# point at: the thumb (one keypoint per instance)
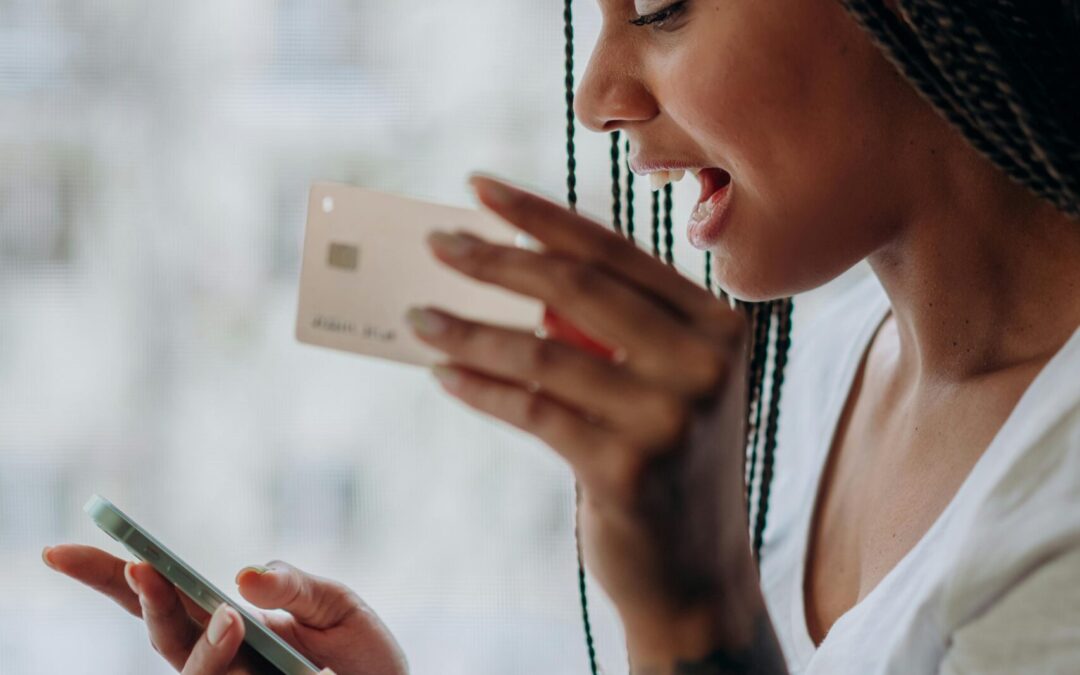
(315, 602)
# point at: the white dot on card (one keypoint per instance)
(327, 204)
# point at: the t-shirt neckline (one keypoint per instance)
(802, 640)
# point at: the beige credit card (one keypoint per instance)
(366, 262)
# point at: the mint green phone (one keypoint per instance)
(278, 655)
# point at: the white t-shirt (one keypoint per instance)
(994, 584)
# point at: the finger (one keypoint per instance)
(600, 304)
(216, 648)
(566, 232)
(95, 568)
(575, 438)
(613, 396)
(172, 632)
(199, 615)
(313, 601)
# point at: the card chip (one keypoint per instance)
(343, 256)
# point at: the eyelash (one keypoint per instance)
(658, 19)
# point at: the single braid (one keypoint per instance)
(708, 271)
(571, 198)
(656, 223)
(669, 238)
(629, 197)
(616, 183)
(568, 82)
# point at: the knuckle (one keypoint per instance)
(610, 248)
(543, 355)
(484, 262)
(573, 278)
(465, 332)
(535, 412)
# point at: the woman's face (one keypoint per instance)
(820, 136)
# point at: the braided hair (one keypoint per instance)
(1005, 73)
(770, 325)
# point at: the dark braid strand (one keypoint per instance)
(708, 271)
(571, 198)
(629, 196)
(656, 223)
(783, 311)
(568, 81)
(616, 183)
(669, 239)
(761, 324)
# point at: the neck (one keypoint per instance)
(982, 276)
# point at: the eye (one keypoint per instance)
(660, 19)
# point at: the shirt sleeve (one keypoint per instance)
(1034, 628)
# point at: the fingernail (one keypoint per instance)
(130, 576)
(45, 557)
(493, 191)
(219, 624)
(257, 569)
(450, 377)
(426, 322)
(452, 245)
(326, 671)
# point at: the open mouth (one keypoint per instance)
(710, 214)
(712, 181)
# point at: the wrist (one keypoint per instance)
(726, 619)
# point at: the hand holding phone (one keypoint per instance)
(326, 621)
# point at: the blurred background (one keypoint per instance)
(155, 159)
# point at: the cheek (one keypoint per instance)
(787, 110)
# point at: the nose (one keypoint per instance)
(611, 96)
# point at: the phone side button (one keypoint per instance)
(183, 579)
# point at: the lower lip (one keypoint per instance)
(705, 233)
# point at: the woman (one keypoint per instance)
(926, 510)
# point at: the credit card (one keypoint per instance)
(366, 262)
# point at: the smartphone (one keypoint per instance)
(272, 654)
(365, 263)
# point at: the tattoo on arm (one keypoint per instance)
(761, 657)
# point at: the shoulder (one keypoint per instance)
(1033, 627)
(1021, 536)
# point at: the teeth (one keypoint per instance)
(658, 179)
